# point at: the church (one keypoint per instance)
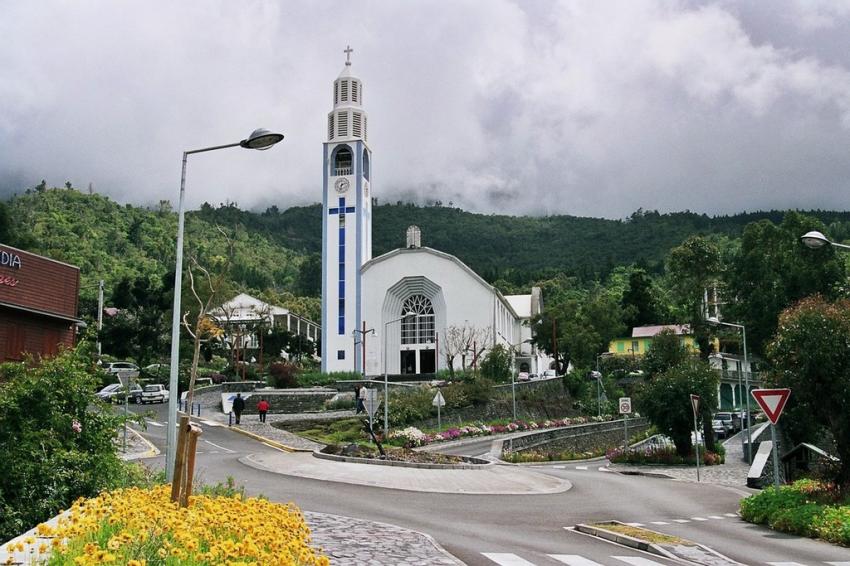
(414, 310)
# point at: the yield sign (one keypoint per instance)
(439, 400)
(771, 401)
(695, 404)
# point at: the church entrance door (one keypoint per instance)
(427, 361)
(408, 361)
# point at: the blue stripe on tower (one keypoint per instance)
(360, 205)
(325, 257)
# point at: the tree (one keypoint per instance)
(811, 356)
(693, 268)
(466, 341)
(640, 304)
(773, 269)
(140, 328)
(666, 400)
(667, 351)
(497, 364)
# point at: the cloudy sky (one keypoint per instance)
(520, 107)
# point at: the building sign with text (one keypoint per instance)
(38, 283)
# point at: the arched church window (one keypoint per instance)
(342, 161)
(366, 164)
(417, 329)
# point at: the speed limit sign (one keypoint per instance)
(625, 405)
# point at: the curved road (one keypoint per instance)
(524, 530)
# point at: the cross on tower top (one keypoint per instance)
(348, 51)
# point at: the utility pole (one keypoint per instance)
(99, 310)
(555, 343)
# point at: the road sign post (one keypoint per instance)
(772, 402)
(371, 404)
(625, 408)
(695, 407)
(438, 402)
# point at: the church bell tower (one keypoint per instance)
(346, 222)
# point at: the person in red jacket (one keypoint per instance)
(263, 408)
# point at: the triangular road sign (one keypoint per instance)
(695, 403)
(439, 400)
(771, 401)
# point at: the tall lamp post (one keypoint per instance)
(259, 139)
(386, 381)
(598, 377)
(815, 240)
(513, 348)
(717, 321)
(362, 334)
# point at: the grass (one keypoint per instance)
(642, 534)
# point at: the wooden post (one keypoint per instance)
(180, 457)
(192, 445)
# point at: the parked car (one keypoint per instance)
(723, 425)
(114, 393)
(154, 394)
(549, 374)
(116, 367)
(533, 376)
(523, 376)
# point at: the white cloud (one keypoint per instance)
(510, 106)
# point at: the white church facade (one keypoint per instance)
(415, 299)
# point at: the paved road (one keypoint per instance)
(522, 530)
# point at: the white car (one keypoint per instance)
(549, 374)
(119, 367)
(154, 394)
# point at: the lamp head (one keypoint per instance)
(261, 139)
(713, 320)
(815, 240)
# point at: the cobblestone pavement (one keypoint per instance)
(352, 542)
(733, 473)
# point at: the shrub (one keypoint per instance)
(55, 437)
(317, 378)
(283, 375)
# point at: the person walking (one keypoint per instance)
(263, 408)
(362, 395)
(358, 401)
(238, 407)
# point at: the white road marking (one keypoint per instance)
(785, 564)
(220, 447)
(506, 559)
(154, 423)
(681, 521)
(637, 561)
(731, 514)
(211, 423)
(634, 524)
(715, 517)
(581, 467)
(559, 467)
(604, 469)
(574, 560)
(838, 563)
(699, 519)
(658, 523)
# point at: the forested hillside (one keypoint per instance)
(278, 251)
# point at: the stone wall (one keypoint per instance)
(591, 437)
(290, 400)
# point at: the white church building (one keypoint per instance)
(427, 306)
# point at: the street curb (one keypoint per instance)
(640, 473)
(268, 441)
(467, 465)
(625, 540)
(152, 451)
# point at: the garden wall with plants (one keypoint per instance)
(592, 437)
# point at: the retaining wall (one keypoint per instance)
(590, 437)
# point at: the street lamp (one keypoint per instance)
(717, 321)
(598, 377)
(513, 369)
(386, 381)
(259, 139)
(815, 240)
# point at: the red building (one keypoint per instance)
(38, 304)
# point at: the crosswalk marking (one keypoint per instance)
(658, 523)
(637, 561)
(506, 559)
(681, 521)
(581, 467)
(699, 519)
(714, 517)
(559, 467)
(574, 560)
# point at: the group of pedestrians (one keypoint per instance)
(239, 406)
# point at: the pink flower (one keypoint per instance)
(76, 426)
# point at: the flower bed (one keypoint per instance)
(662, 455)
(411, 436)
(141, 527)
(807, 507)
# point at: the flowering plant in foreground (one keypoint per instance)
(141, 527)
(411, 436)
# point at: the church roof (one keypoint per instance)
(521, 304)
(424, 249)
